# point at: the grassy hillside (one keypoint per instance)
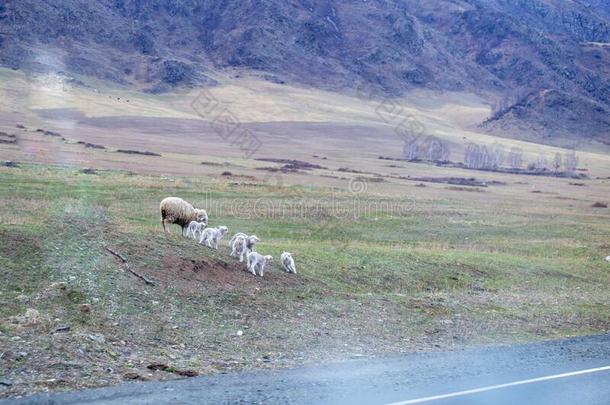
(396, 269)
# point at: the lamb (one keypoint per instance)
(251, 241)
(242, 246)
(175, 210)
(237, 235)
(288, 263)
(257, 261)
(212, 236)
(195, 229)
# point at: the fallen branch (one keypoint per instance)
(129, 269)
(117, 254)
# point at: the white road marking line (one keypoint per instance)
(495, 387)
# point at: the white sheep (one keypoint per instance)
(237, 235)
(257, 261)
(212, 236)
(608, 259)
(242, 246)
(175, 210)
(195, 229)
(288, 263)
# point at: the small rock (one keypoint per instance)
(31, 317)
(158, 366)
(97, 337)
(84, 308)
(59, 286)
(239, 333)
(187, 373)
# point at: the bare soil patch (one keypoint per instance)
(458, 181)
(90, 145)
(8, 138)
(216, 274)
(137, 152)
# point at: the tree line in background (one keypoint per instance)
(483, 157)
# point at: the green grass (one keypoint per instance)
(444, 271)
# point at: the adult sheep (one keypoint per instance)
(175, 210)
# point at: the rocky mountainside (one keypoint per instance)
(544, 64)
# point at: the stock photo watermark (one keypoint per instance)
(225, 123)
(303, 208)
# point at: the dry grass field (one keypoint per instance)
(387, 262)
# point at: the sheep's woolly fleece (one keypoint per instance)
(175, 210)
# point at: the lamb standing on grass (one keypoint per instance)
(242, 246)
(237, 235)
(256, 260)
(288, 263)
(195, 229)
(175, 210)
(212, 236)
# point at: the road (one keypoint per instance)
(569, 371)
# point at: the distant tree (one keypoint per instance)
(427, 148)
(570, 162)
(485, 157)
(411, 150)
(541, 162)
(437, 150)
(472, 156)
(496, 156)
(509, 99)
(557, 162)
(515, 157)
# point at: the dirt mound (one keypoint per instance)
(137, 152)
(217, 274)
(289, 165)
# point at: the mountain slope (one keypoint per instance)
(512, 52)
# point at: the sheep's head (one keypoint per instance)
(253, 239)
(223, 230)
(202, 216)
(269, 258)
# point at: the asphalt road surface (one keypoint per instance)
(569, 371)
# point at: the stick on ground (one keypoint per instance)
(129, 269)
